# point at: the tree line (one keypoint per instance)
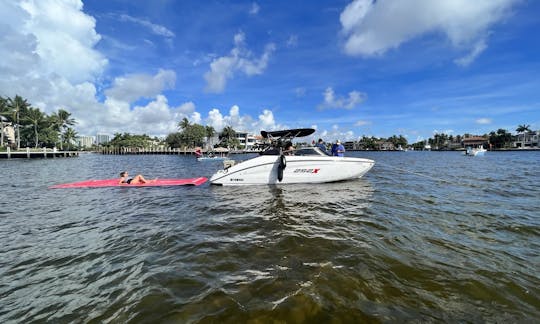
(34, 128)
(189, 135)
(193, 135)
(499, 139)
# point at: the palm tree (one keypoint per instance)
(4, 111)
(210, 132)
(63, 120)
(17, 106)
(229, 135)
(69, 136)
(184, 124)
(523, 129)
(35, 117)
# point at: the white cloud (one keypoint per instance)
(64, 39)
(238, 122)
(240, 59)
(483, 121)
(254, 9)
(332, 101)
(154, 28)
(215, 119)
(132, 87)
(362, 123)
(469, 58)
(155, 118)
(300, 92)
(373, 27)
(266, 121)
(292, 41)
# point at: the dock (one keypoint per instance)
(37, 154)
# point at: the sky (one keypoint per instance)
(346, 68)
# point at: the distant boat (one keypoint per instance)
(475, 151)
(219, 154)
(211, 158)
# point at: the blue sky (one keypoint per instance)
(346, 68)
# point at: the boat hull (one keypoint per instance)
(265, 169)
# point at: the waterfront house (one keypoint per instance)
(474, 141)
(527, 140)
(8, 132)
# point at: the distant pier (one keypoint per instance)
(166, 151)
(36, 154)
(145, 151)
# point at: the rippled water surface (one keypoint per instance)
(423, 237)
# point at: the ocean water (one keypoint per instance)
(423, 237)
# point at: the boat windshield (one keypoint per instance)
(304, 151)
(309, 151)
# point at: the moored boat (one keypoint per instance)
(304, 165)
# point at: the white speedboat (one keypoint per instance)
(304, 165)
(476, 151)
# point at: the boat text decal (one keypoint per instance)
(306, 171)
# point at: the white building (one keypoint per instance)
(85, 141)
(102, 139)
(248, 141)
(8, 131)
(528, 140)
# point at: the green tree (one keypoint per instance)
(61, 121)
(174, 140)
(69, 136)
(18, 107)
(183, 124)
(523, 128)
(4, 113)
(35, 117)
(210, 132)
(228, 137)
(128, 140)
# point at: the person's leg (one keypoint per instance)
(139, 179)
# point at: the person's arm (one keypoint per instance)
(122, 179)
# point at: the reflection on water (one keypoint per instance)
(428, 237)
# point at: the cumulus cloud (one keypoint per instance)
(266, 121)
(49, 57)
(132, 87)
(157, 117)
(373, 27)
(64, 39)
(240, 59)
(331, 101)
(234, 119)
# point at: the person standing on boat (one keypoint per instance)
(338, 149)
(289, 149)
(322, 146)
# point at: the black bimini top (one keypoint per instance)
(298, 132)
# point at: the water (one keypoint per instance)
(423, 237)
